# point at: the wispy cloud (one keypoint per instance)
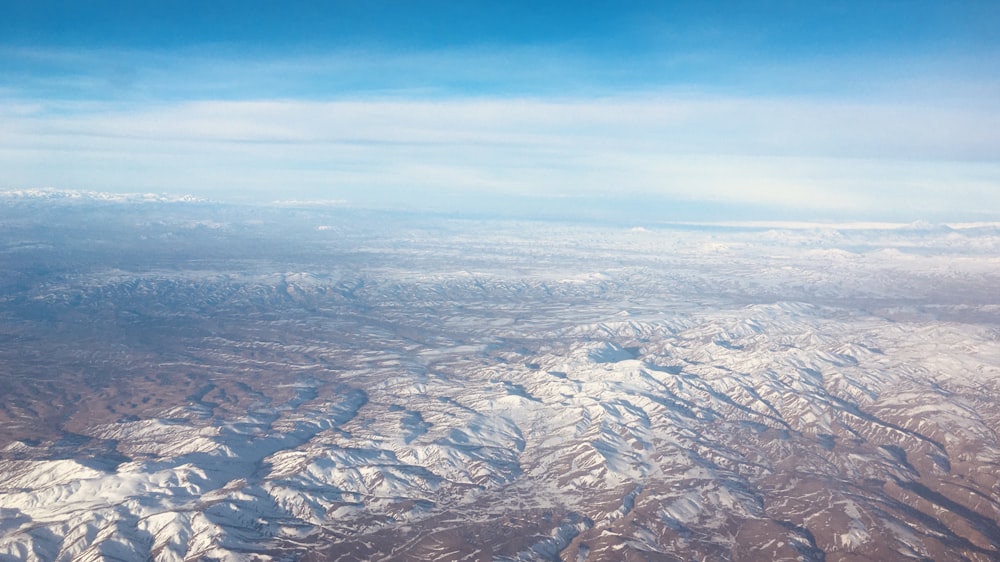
(439, 128)
(789, 153)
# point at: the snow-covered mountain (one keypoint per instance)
(240, 383)
(87, 196)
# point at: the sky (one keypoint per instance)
(675, 110)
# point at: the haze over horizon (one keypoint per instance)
(722, 111)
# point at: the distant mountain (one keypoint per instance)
(52, 194)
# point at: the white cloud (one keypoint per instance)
(793, 153)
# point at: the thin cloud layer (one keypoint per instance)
(765, 151)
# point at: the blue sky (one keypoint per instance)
(680, 110)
